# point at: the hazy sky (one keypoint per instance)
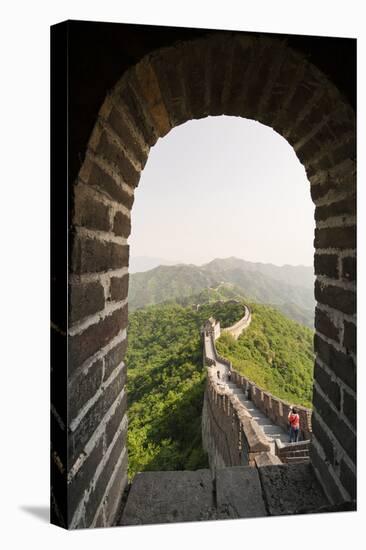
(223, 186)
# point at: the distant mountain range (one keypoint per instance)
(145, 263)
(289, 288)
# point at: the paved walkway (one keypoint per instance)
(271, 430)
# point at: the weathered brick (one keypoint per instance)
(116, 491)
(350, 336)
(348, 480)
(83, 387)
(217, 74)
(82, 480)
(101, 180)
(349, 269)
(84, 345)
(115, 421)
(167, 69)
(325, 162)
(92, 255)
(329, 387)
(97, 494)
(324, 325)
(335, 237)
(147, 87)
(345, 206)
(286, 75)
(309, 150)
(323, 438)
(337, 426)
(130, 101)
(319, 191)
(85, 299)
(336, 297)
(347, 150)
(93, 418)
(326, 264)
(107, 148)
(118, 123)
(254, 88)
(114, 357)
(324, 470)
(119, 288)
(121, 225)
(90, 212)
(194, 69)
(350, 407)
(342, 365)
(303, 93)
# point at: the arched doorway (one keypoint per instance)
(257, 78)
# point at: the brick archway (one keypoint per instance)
(252, 77)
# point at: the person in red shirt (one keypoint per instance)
(294, 420)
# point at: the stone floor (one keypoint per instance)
(236, 492)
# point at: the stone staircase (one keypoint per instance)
(293, 453)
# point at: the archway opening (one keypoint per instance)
(222, 213)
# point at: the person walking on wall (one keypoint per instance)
(218, 374)
(294, 420)
(229, 375)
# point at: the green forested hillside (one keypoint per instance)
(166, 378)
(166, 385)
(289, 288)
(275, 353)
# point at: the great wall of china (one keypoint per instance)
(254, 471)
(242, 423)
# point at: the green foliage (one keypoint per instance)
(166, 378)
(275, 353)
(166, 385)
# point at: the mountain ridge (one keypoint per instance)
(264, 283)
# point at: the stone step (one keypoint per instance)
(295, 453)
(296, 460)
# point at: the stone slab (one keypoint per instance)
(239, 493)
(166, 497)
(266, 459)
(291, 489)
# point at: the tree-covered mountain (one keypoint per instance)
(166, 377)
(165, 385)
(289, 288)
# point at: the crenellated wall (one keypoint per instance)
(237, 328)
(276, 409)
(229, 435)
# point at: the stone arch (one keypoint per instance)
(225, 73)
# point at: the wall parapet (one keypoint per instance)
(276, 409)
(230, 435)
(237, 328)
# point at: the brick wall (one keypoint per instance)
(226, 73)
(229, 435)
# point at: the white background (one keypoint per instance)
(24, 218)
